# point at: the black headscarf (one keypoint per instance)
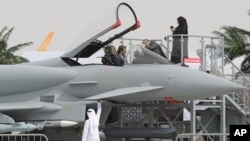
(182, 28)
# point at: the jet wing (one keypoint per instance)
(30, 105)
(124, 94)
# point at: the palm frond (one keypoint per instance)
(7, 35)
(245, 65)
(19, 46)
(235, 39)
(3, 45)
(20, 59)
(4, 60)
(6, 54)
(243, 32)
(2, 31)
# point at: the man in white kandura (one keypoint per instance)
(91, 126)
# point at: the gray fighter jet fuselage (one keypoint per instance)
(113, 83)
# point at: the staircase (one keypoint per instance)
(238, 100)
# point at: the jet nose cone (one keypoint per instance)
(199, 85)
(216, 85)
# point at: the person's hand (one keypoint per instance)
(172, 28)
(165, 38)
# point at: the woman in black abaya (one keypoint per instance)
(182, 28)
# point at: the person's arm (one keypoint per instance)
(172, 28)
(99, 110)
(177, 30)
(85, 131)
(180, 30)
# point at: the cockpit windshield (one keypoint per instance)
(140, 55)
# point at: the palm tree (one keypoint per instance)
(7, 54)
(236, 44)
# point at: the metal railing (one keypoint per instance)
(201, 136)
(211, 40)
(23, 137)
(240, 97)
(238, 100)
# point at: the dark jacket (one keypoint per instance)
(119, 61)
(153, 46)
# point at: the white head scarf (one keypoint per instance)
(93, 120)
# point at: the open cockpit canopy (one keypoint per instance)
(101, 32)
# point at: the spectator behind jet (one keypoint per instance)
(207, 61)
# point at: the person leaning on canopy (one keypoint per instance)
(153, 46)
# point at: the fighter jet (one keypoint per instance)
(57, 91)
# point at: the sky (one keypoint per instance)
(33, 19)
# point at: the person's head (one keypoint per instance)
(91, 113)
(199, 53)
(93, 119)
(122, 50)
(146, 42)
(181, 21)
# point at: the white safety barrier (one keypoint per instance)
(202, 137)
(23, 137)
